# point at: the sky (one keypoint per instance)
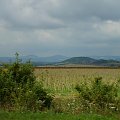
(60, 27)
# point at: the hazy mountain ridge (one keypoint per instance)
(33, 58)
(106, 57)
(63, 60)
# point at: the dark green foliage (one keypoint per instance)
(99, 96)
(19, 89)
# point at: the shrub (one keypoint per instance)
(19, 89)
(99, 96)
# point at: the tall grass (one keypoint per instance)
(63, 81)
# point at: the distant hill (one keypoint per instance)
(58, 60)
(35, 59)
(79, 60)
(107, 57)
(55, 58)
(90, 61)
(6, 59)
(50, 59)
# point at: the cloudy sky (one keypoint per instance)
(64, 27)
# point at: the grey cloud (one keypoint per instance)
(68, 27)
(84, 9)
(43, 14)
(28, 14)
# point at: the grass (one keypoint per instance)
(51, 116)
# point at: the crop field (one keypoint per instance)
(63, 81)
(59, 84)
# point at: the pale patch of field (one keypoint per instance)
(63, 81)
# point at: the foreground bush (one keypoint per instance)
(99, 97)
(19, 89)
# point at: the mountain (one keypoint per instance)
(63, 60)
(107, 57)
(103, 62)
(79, 60)
(90, 61)
(6, 59)
(33, 58)
(50, 59)
(55, 58)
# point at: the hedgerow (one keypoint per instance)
(99, 96)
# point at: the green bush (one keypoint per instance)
(99, 97)
(19, 89)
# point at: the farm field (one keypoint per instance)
(66, 103)
(62, 82)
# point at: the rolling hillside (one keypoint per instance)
(90, 61)
(59, 60)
